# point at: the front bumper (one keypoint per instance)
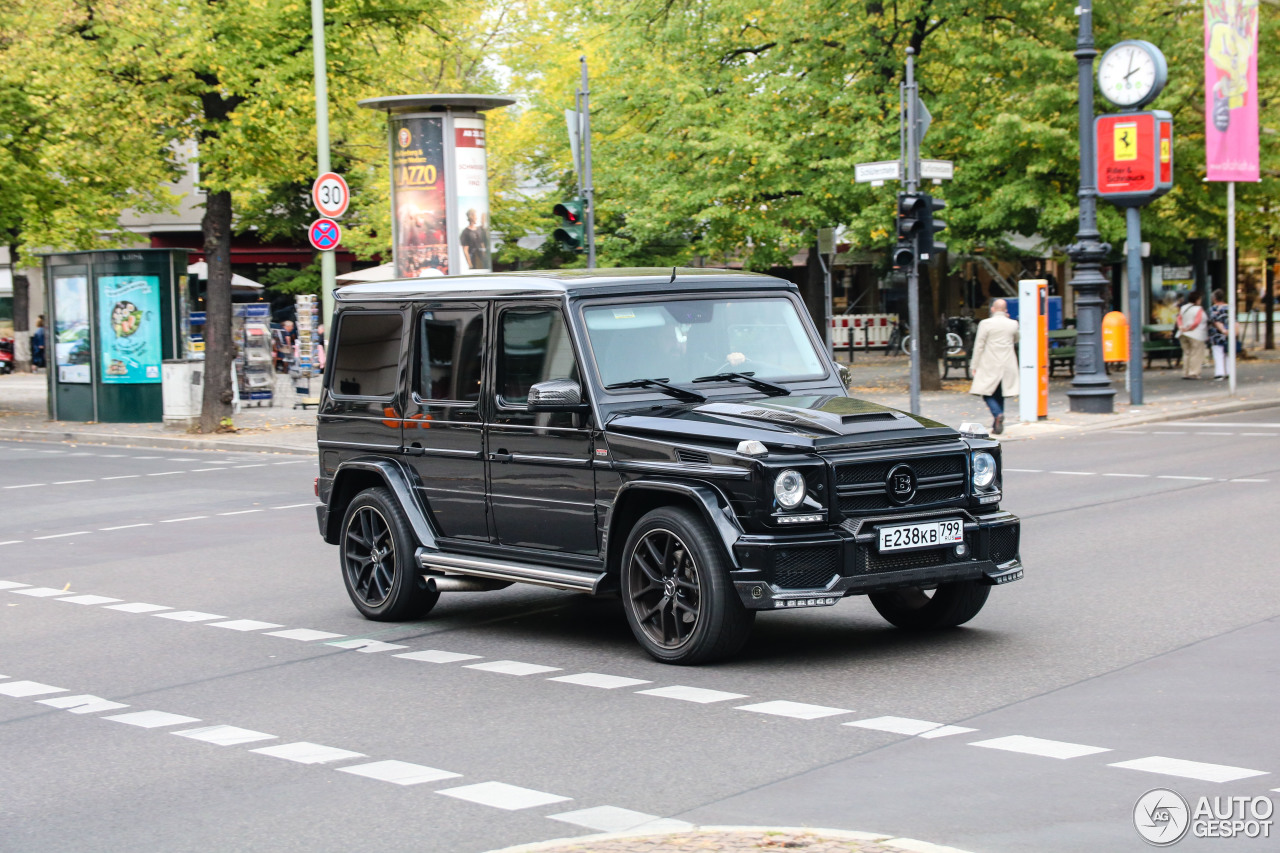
(776, 572)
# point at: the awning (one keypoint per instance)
(200, 269)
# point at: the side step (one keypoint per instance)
(509, 571)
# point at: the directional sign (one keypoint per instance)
(881, 170)
(937, 170)
(324, 234)
(330, 195)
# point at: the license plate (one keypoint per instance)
(927, 534)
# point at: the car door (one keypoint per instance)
(541, 483)
(443, 430)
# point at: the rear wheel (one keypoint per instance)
(377, 554)
(917, 609)
(676, 591)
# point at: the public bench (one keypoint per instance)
(1159, 342)
(1062, 350)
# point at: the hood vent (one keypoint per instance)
(693, 456)
(869, 417)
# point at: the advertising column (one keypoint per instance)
(419, 218)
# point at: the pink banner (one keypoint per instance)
(1231, 89)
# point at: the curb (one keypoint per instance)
(908, 845)
(156, 441)
(1147, 418)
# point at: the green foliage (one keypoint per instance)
(284, 281)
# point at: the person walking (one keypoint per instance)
(1193, 331)
(1218, 320)
(995, 362)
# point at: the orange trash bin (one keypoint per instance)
(1115, 337)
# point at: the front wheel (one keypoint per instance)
(377, 554)
(676, 591)
(917, 609)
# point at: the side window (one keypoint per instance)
(366, 355)
(449, 355)
(535, 347)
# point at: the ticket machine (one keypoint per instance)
(1033, 349)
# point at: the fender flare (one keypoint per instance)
(395, 479)
(711, 503)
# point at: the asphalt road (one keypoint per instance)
(1146, 634)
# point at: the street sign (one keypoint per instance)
(826, 241)
(330, 195)
(937, 170)
(881, 170)
(324, 234)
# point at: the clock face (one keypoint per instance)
(1128, 74)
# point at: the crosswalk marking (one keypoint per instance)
(1189, 769)
(1040, 746)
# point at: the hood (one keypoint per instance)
(803, 421)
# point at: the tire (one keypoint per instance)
(914, 609)
(676, 591)
(906, 345)
(376, 550)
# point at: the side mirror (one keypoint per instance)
(556, 395)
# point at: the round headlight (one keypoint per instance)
(789, 489)
(984, 469)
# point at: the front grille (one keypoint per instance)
(867, 473)
(874, 561)
(1004, 543)
(804, 568)
(861, 484)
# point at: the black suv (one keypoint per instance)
(679, 438)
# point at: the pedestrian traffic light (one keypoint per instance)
(926, 246)
(904, 254)
(572, 233)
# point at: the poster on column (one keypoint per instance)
(1231, 90)
(471, 180)
(129, 328)
(419, 220)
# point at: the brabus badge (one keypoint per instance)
(901, 484)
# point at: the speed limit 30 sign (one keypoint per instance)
(330, 195)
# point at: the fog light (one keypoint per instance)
(962, 550)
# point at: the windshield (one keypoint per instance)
(681, 340)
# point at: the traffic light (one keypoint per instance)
(572, 233)
(926, 246)
(904, 254)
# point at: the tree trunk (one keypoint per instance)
(219, 348)
(21, 319)
(930, 376)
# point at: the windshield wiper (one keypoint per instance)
(768, 388)
(663, 386)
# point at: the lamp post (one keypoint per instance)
(1091, 391)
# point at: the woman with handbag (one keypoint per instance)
(1193, 331)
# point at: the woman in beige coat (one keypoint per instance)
(995, 362)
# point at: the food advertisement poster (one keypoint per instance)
(129, 328)
(71, 328)
(471, 183)
(419, 221)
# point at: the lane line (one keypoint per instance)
(1138, 476)
(1024, 470)
(60, 535)
(615, 819)
(70, 482)
(122, 477)
(41, 591)
(151, 719)
(1075, 473)
(137, 607)
(909, 726)
(1040, 746)
(12, 584)
(1179, 477)
(399, 772)
(795, 710)
(240, 512)
(225, 735)
(1189, 769)
(127, 526)
(27, 486)
(88, 599)
(244, 625)
(83, 704)
(500, 795)
(189, 616)
(366, 646)
(188, 518)
(11, 542)
(294, 506)
(437, 656)
(304, 634)
(23, 689)
(1247, 480)
(304, 752)
(604, 682)
(692, 694)
(165, 473)
(512, 667)
(254, 465)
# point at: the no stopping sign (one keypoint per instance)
(330, 195)
(324, 234)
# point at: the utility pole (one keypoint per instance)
(588, 188)
(328, 267)
(911, 171)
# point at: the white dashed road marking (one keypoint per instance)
(189, 616)
(12, 585)
(908, 726)
(225, 735)
(40, 591)
(152, 719)
(692, 694)
(88, 599)
(399, 772)
(366, 646)
(244, 625)
(500, 795)
(27, 486)
(437, 656)
(1075, 473)
(70, 482)
(595, 679)
(308, 753)
(240, 512)
(188, 518)
(61, 535)
(138, 607)
(614, 819)
(796, 710)
(512, 667)
(22, 689)
(1040, 746)
(126, 526)
(1189, 769)
(304, 634)
(84, 704)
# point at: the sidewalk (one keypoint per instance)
(882, 379)
(733, 839)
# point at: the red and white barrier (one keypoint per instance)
(862, 331)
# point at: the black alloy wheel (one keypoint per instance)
(676, 591)
(919, 609)
(377, 555)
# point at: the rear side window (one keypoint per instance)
(366, 355)
(449, 351)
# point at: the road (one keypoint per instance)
(183, 671)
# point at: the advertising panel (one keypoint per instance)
(471, 186)
(129, 329)
(1231, 90)
(1126, 153)
(419, 218)
(71, 348)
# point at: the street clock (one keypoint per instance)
(1132, 73)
